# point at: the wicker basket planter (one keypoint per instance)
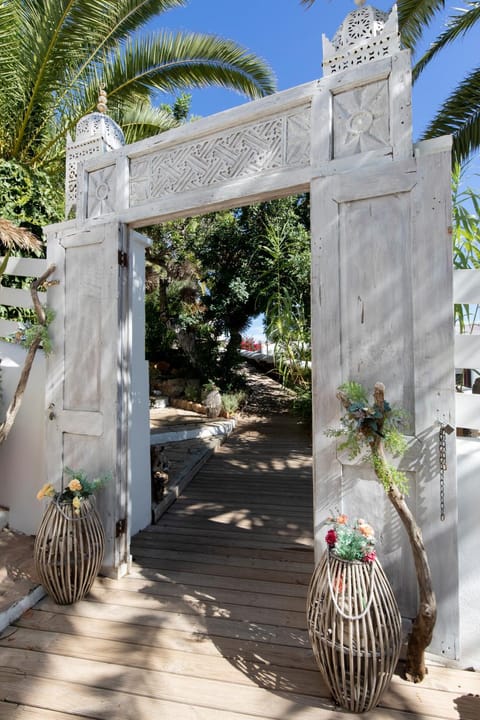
(355, 629)
(68, 550)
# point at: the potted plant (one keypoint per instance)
(70, 542)
(354, 622)
(374, 428)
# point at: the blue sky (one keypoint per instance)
(289, 37)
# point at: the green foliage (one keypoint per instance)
(302, 403)
(89, 486)
(389, 475)
(466, 241)
(32, 331)
(364, 425)
(232, 401)
(29, 196)
(286, 289)
(458, 115)
(207, 276)
(355, 392)
(192, 391)
(54, 56)
(351, 542)
(75, 491)
(349, 546)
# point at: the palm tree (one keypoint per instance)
(55, 54)
(459, 115)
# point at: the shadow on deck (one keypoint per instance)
(210, 624)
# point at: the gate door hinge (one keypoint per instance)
(122, 258)
(120, 527)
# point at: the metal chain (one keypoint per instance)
(442, 453)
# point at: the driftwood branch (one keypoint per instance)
(424, 623)
(15, 404)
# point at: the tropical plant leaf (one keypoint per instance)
(460, 116)
(458, 26)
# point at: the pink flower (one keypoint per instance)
(370, 556)
(331, 538)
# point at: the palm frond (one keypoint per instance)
(84, 31)
(141, 120)
(414, 16)
(460, 116)
(13, 237)
(458, 26)
(172, 61)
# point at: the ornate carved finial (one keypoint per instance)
(102, 100)
(366, 34)
(95, 133)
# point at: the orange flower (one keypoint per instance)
(74, 484)
(366, 529)
(342, 520)
(46, 491)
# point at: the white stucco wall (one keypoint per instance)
(22, 456)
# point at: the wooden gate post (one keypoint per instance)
(381, 300)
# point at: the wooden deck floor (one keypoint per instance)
(210, 624)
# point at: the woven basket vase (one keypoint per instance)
(355, 630)
(68, 550)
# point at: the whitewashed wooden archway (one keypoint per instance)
(381, 286)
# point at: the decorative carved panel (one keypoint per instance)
(75, 154)
(361, 120)
(278, 142)
(101, 195)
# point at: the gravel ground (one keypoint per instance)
(266, 396)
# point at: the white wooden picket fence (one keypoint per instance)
(467, 356)
(12, 297)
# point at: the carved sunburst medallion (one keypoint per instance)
(361, 120)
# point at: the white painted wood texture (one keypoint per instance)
(8, 327)
(18, 298)
(466, 286)
(138, 417)
(467, 351)
(433, 342)
(82, 393)
(468, 411)
(25, 267)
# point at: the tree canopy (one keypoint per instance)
(55, 54)
(207, 276)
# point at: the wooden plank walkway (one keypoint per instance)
(210, 624)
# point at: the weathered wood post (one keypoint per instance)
(381, 295)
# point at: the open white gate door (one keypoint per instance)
(85, 396)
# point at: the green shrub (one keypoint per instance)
(232, 401)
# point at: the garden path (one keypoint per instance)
(210, 623)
